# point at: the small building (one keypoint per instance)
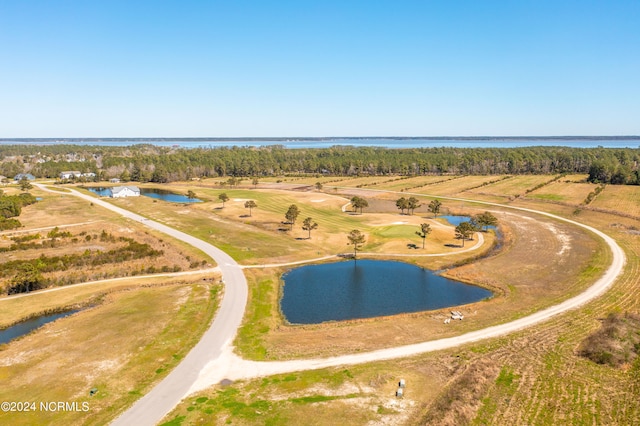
(70, 174)
(125, 191)
(21, 176)
(114, 180)
(89, 175)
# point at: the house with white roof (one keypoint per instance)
(125, 191)
(70, 174)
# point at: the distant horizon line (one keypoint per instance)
(318, 138)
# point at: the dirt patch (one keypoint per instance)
(616, 343)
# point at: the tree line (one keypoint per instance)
(163, 164)
(11, 207)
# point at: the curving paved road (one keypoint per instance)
(212, 359)
(151, 408)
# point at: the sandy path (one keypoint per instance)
(230, 366)
(110, 280)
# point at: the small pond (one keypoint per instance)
(455, 220)
(164, 195)
(368, 288)
(160, 194)
(26, 327)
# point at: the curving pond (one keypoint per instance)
(368, 288)
(27, 326)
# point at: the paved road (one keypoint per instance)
(151, 408)
(212, 359)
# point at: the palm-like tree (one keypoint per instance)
(402, 203)
(434, 207)
(464, 231)
(485, 220)
(359, 203)
(356, 238)
(250, 205)
(412, 204)
(425, 229)
(309, 225)
(224, 198)
(292, 214)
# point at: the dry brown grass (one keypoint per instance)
(522, 286)
(121, 347)
(513, 187)
(87, 237)
(620, 198)
(564, 191)
(544, 382)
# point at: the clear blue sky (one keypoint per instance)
(319, 68)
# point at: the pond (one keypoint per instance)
(368, 288)
(455, 220)
(164, 195)
(160, 194)
(26, 327)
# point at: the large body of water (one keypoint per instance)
(368, 288)
(293, 143)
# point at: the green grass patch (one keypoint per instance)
(397, 231)
(258, 317)
(177, 421)
(548, 197)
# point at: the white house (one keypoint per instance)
(20, 176)
(125, 191)
(70, 175)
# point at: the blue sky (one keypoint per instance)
(318, 68)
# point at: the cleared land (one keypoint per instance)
(456, 186)
(63, 360)
(513, 187)
(71, 241)
(511, 380)
(564, 192)
(619, 198)
(505, 381)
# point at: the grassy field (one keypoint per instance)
(63, 360)
(532, 377)
(454, 187)
(89, 230)
(619, 198)
(513, 187)
(264, 237)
